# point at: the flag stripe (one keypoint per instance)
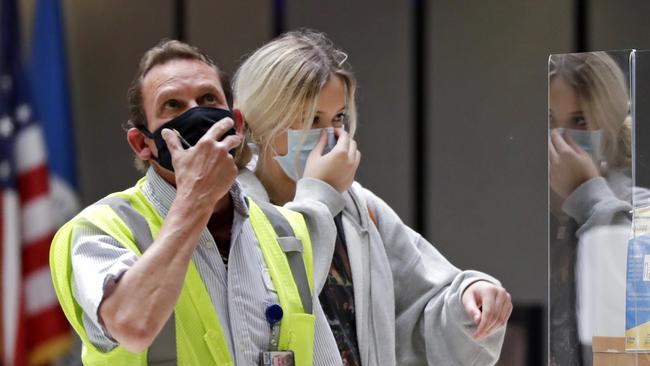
(43, 353)
(33, 183)
(36, 255)
(45, 325)
(37, 221)
(11, 272)
(34, 327)
(39, 291)
(30, 149)
(20, 348)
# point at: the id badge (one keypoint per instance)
(276, 358)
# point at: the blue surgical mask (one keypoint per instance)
(589, 141)
(300, 144)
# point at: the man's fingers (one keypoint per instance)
(219, 129)
(231, 141)
(172, 141)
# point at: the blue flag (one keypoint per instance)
(34, 329)
(49, 81)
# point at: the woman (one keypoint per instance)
(591, 193)
(390, 297)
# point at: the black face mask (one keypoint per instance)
(192, 125)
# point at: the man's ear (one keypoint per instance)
(138, 143)
(239, 121)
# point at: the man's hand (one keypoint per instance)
(488, 305)
(204, 172)
(339, 166)
(569, 165)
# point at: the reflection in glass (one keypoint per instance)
(590, 198)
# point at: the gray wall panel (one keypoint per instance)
(227, 30)
(105, 41)
(487, 133)
(376, 36)
(616, 25)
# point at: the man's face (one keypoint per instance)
(176, 86)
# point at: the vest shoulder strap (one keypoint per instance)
(293, 249)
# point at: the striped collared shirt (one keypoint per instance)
(239, 295)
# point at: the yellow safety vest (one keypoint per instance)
(198, 334)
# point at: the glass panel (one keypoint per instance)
(590, 201)
(637, 326)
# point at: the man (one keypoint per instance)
(214, 264)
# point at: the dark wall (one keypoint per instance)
(487, 118)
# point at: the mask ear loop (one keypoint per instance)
(183, 141)
(145, 132)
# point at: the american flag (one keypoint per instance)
(33, 327)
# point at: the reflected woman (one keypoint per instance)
(590, 182)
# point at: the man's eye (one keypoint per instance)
(172, 103)
(209, 98)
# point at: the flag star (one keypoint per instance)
(5, 83)
(23, 112)
(6, 127)
(5, 170)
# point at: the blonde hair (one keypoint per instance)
(604, 98)
(281, 81)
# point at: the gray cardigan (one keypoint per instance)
(407, 295)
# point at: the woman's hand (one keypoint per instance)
(488, 305)
(569, 165)
(339, 166)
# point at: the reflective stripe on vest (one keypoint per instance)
(296, 326)
(292, 248)
(130, 219)
(162, 351)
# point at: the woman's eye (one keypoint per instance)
(340, 119)
(579, 122)
(315, 122)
